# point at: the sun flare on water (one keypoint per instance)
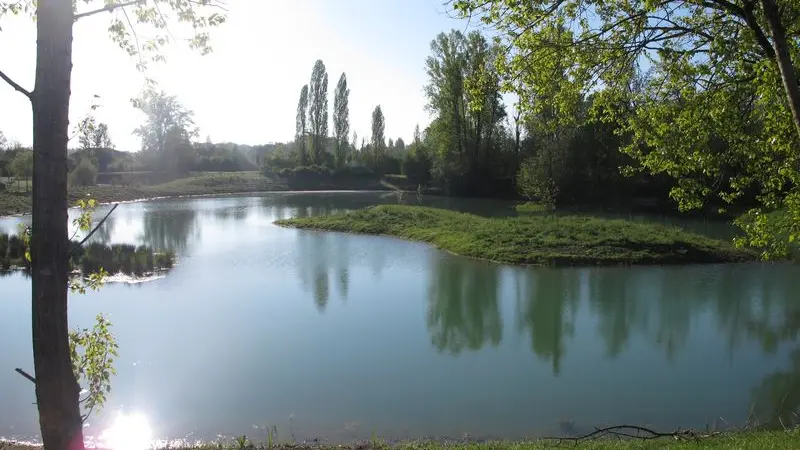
(127, 432)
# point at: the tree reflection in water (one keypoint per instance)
(463, 304)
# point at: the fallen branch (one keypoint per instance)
(631, 432)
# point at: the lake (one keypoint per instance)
(339, 337)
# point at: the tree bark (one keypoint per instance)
(56, 387)
(784, 59)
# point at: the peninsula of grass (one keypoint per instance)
(535, 239)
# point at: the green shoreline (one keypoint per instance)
(199, 184)
(733, 440)
(532, 240)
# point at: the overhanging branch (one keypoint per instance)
(107, 8)
(16, 86)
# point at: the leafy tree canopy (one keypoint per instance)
(705, 91)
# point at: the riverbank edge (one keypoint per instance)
(729, 440)
(406, 225)
(137, 199)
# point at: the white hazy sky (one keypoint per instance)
(246, 91)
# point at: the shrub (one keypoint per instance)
(85, 174)
(533, 182)
(417, 166)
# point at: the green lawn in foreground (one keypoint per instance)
(762, 440)
(536, 239)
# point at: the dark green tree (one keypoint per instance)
(341, 119)
(463, 94)
(301, 127)
(318, 111)
(378, 141)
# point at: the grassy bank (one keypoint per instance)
(200, 183)
(540, 240)
(761, 440)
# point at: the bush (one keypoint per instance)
(417, 166)
(2, 186)
(85, 174)
(534, 183)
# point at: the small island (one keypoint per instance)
(547, 240)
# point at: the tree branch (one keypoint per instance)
(746, 14)
(99, 224)
(25, 374)
(108, 8)
(16, 86)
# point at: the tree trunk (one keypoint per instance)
(784, 59)
(56, 387)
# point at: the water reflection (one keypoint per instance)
(546, 304)
(103, 233)
(462, 304)
(255, 315)
(776, 401)
(169, 229)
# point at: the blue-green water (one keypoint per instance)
(341, 336)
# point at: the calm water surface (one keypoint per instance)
(341, 336)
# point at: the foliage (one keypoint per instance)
(417, 164)
(696, 86)
(378, 141)
(85, 174)
(301, 126)
(22, 164)
(341, 119)
(167, 131)
(318, 110)
(92, 134)
(540, 240)
(466, 136)
(92, 353)
(210, 157)
(534, 183)
(283, 157)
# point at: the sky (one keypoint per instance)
(246, 90)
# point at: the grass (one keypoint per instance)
(534, 239)
(214, 183)
(761, 440)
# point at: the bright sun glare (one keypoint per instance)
(127, 432)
